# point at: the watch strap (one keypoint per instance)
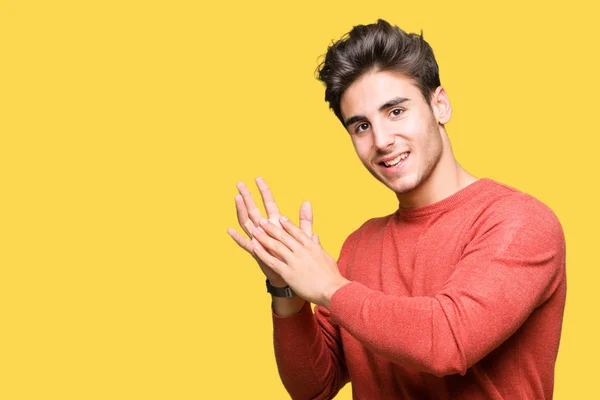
(280, 291)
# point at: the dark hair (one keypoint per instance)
(377, 47)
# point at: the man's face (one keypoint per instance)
(393, 129)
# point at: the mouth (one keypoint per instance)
(392, 164)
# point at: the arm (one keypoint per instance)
(309, 352)
(307, 347)
(512, 266)
(505, 273)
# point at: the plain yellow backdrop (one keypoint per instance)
(125, 125)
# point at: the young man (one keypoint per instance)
(457, 295)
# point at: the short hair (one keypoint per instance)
(377, 47)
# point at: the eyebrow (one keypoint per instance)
(393, 102)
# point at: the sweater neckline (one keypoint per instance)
(449, 202)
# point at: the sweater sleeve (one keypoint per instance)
(509, 268)
(308, 352)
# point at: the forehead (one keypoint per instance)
(373, 89)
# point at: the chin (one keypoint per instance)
(403, 189)
(403, 185)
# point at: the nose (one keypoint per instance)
(383, 136)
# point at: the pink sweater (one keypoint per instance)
(461, 299)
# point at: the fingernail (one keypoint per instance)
(257, 231)
(264, 222)
(284, 219)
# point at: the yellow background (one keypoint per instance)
(125, 125)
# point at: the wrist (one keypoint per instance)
(329, 292)
(278, 283)
(275, 291)
(286, 307)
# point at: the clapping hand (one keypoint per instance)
(249, 217)
(286, 253)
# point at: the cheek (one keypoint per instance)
(413, 124)
(361, 147)
(417, 126)
(424, 132)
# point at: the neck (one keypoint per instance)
(447, 178)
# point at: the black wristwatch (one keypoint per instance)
(280, 291)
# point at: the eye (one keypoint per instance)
(362, 127)
(396, 112)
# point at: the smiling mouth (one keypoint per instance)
(395, 161)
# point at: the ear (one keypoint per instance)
(440, 104)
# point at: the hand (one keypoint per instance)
(303, 264)
(249, 216)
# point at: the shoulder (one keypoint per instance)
(516, 208)
(519, 221)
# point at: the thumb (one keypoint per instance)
(315, 238)
(306, 218)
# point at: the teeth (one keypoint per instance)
(396, 160)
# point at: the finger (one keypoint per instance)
(277, 233)
(296, 232)
(242, 241)
(306, 218)
(270, 261)
(267, 198)
(272, 246)
(253, 212)
(242, 215)
(316, 239)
